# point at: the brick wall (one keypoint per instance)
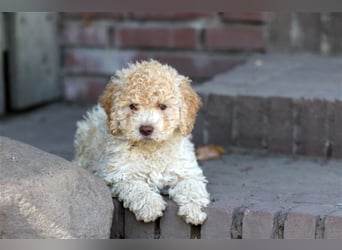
(199, 45)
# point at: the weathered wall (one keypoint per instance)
(199, 45)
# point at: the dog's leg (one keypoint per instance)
(146, 204)
(191, 195)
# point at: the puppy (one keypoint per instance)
(138, 140)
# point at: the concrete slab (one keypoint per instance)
(296, 76)
(50, 128)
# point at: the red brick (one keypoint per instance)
(311, 24)
(98, 61)
(336, 131)
(77, 33)
(301, 221)
(219, 117)
(136, 229)
(89, 16)
(232, 38)
(219, 222)
(245, 16)
(249, 110)
(171, 225)
(83, 88)
(313, 128)
(333, 226)
(335, 26)
(199, 67)
(198, 137)
(170, 15)
(280, 132)
(150, 37)
(258, 221)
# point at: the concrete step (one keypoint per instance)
(255, 196)
(289, 104)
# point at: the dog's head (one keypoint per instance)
(149, 101)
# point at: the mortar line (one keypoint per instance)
(279, 224)
(237, 222)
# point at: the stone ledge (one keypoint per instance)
(256, 196)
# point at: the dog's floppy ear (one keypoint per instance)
(107, 100)
(189, 106)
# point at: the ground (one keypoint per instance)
(240, 182)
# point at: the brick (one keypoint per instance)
(171, 225)
(118, 230)
(136, 229)
(98, 61)
(258, 221)
(301, 221)
(335, 32)
(95, 15)
(249, 121)
(156, 37)
(279, 37)
(170, 15)
(198, 133)
(233, 38)
(333, 225)
(219, 118)
(335, 127)
(245, 16)
(280, 132)
(310, 25)
(199, 67)
(313, 126)
(83, 88)
(78, 33)
(219, 222)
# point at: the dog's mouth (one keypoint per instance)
(147, 138)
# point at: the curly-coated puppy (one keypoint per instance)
(138, 140)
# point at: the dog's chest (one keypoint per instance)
(157, 167)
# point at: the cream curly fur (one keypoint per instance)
(138, 165)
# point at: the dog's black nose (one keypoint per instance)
(146, 130)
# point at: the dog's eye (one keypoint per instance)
(162, 106)
(133, 106)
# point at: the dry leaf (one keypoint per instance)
(209, 152)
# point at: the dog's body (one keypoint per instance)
(138, 141)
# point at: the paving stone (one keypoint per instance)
(249, 121)
(258, 221)
(301, 221)
(199, 131)
(313, 126)
(280, 119)
(219, 222)
(219, 118)
(336, 131)
(136, 229)
(333, 225)
(171, 225)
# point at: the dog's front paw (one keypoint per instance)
(192, 214)
(152, 209)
